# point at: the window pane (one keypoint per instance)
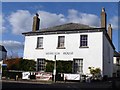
(78, 65)
(83, 40)
(41, 64)
(39, 42)
(61, 40)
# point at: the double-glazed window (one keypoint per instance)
(40, 64)
(83, 40)
(40, 42)
(61, 41)
(78, 65)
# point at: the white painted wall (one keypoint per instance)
(108, 53)
(91, 56)
(114, 65)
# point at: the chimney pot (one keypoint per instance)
(37, 14)
(103, 9)
(109, 25)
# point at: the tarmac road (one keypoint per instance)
(50, 85)
(35, 85)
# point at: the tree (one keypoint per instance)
(20, 64)
(27, 65)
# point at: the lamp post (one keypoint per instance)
(54, 71)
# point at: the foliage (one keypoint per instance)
(64, 66)
(49, 66)
(96, 72)
(20, 64)
(12, 63)
(61, 66)
(27, 65)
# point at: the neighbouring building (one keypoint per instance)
(116, 63)
(3, 55)
(85, 46)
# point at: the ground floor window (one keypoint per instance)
(78, 65)
(40, 64)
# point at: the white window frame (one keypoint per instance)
(78, 65)
(61, 42)
(40, 42)
(83, 40)
(40, 64)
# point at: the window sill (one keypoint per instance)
(60, 47)
(83, 47)
(39, 48)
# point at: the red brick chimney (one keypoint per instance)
(36, 22)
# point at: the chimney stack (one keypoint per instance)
(103, 18)
(110, 31)
(36, 22)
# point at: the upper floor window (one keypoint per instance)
(83, 40)
(40, 42)
(61, 41)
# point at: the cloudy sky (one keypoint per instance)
(17, 18)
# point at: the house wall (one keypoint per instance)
(114, 65)
(92, 56)
(108, 53)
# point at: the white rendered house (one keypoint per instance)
(84, 45)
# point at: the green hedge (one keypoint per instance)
(61, 66)
(11, 75)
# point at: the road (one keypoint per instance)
(50, 86)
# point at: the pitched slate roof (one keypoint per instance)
(2, 48)
(63, 27)
(68, 26)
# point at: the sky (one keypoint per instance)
(17, 18)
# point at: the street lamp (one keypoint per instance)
(54, 71)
